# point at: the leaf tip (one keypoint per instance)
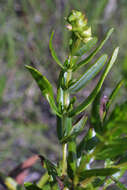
(111, 31)
(117, 49)
(52, 34)
(28, 67)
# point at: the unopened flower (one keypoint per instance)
(78, 24)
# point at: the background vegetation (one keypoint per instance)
(25, 27)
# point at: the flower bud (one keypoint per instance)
(78, 24)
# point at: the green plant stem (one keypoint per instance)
(43, 180)
(64, 161)
(66, 101)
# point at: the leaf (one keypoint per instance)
(94, 93)
(75, 130)
(122, 160)
(98, 182)
(118, 117)
(95, 114)
(112, 150)
(112, 97)
(86, 47)
(30, 186)
(59, 128)
(86, 145)
(53, 51)
(51, 168)
(71, 159)
(97, 172)
(43, 180)
(91, 56)
(113, 94)
(88, 75)
(46, 187)
(45, 87)
(64, 125)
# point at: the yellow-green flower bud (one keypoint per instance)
(78, 24)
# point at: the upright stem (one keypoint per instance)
(64, 123)
(64, 161)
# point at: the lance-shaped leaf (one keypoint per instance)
(93, 94)
(112, 150)
(95, 114)
(89, 74)
(86, 145)
(91, 56)
(86, 47)
(113, 94)
(45, 87)
(75, 130)
(51, 168)
(64, 125)
(71, 159)
(97, 172)
(111, 98)
(118, 118)
(53, 53)
(98, 182)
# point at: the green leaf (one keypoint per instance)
(112, 97)
(45, 87)
(122, 160)
(98, 182)
(86, 145)
(112, 150)
(86, 47)
(97, 172)
(113, 94)
(53, 53)
(91, 56)
(30, 186)
(88, 75)
(118, 117)
(51, 168)
(94, 93)
(46, 187)
(71, 159)
(95, 114)
(67, 125)
(59, 128)
(75, 130)
(64, 125)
